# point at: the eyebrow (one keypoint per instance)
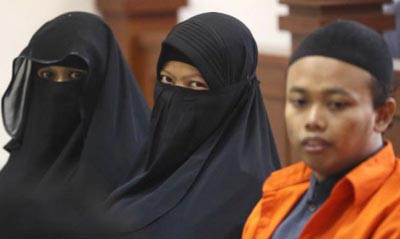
(336, 91)
(186, 77)
(169, 73)
(194, 75)
(330, 91)
(59, 66)
(297, 89)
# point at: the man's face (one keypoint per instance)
(329, 113)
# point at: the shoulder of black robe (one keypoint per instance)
(209, 151)
(73, 142)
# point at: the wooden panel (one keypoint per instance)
(140, 26)
(303, 24)
(271, 72)
(307, 15)
(138, 7)
(149, 47)
(332, 3)
(394, 132)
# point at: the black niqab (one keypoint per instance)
(72, 142)
(208, 152)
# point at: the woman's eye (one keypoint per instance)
(47, 75)
(166, 80)
(198, 85)
(76, 75)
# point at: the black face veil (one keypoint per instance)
(208, 152)
(72, 142)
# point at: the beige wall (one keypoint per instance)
(261, 16)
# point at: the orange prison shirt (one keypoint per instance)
(365, 203)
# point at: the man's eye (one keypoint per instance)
(337, 105)
(76, 75)
(47, 75)
(166, 80)
(298, 102)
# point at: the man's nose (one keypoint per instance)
(316, 120)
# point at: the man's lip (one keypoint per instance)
(315, 145)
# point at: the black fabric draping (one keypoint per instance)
(208, 152)
(72, 142)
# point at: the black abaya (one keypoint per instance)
(72, 142)
(208, 152)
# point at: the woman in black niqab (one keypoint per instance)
(209, 151)
(73, 142)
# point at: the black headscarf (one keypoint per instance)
(72, 142)
(208, 152)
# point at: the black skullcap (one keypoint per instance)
(353, 43)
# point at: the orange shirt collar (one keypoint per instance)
(365, 179)
(289, 176)
(368, 176)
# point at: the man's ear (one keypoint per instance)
(385, 115)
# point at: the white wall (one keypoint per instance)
(261, 16)
(19, 19)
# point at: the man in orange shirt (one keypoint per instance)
(337, 108)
